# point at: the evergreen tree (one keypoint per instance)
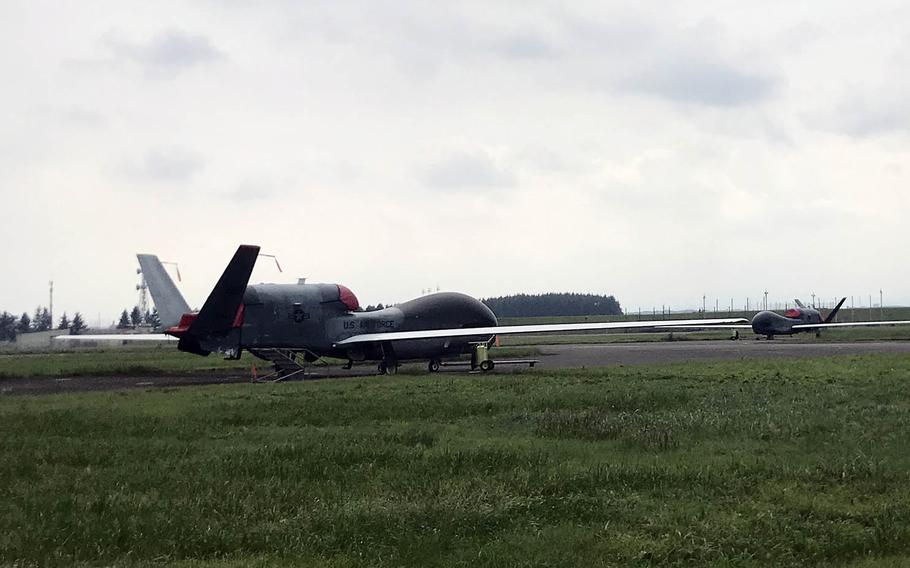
(78, 325)
(25, 324)
(124, 320)
(41, 322)
(7, 327)
(64, 322)
(152, 318)
(136, 316)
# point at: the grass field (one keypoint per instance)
(845, 315)
(783, 462)
(121, 361)
(885, 333)
(156, 361)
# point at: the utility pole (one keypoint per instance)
(50, 285)
(870, 307)
(766, 299)
(143, 289)
(703, 298)
(813, 299)
(881, 305)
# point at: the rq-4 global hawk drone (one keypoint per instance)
(292, 322)
(800, 319)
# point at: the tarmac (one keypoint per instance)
(553, 357)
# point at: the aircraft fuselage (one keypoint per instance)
(314, 317)
(769, 323)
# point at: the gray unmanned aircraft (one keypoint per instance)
(800, 319)
(281, 322)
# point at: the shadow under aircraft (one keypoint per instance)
(800, 319)
(294, 324)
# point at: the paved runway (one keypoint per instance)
(554, 357)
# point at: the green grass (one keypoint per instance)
(736, 463)
(845, 315)
(606, 338)
(887, 333)
(122, 361)
(156, 361)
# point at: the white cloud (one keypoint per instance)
(611, 147)
(167, 53)
(166, 164)
(466, 171)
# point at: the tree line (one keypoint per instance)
(136, 318)
(553, 304)
(11, 326)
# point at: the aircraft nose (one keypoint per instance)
(761, 322)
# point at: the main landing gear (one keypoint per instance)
(388, 368)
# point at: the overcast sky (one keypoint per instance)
(654, 151)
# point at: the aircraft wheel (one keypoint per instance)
(388, 368)
(486, 365)
(433, 366)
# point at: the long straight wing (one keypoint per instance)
(116, 337)
(517, 329)
(849, 324)
(721, 326)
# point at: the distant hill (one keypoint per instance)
(553, 304)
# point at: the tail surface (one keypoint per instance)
(833, 313)
(222, 310)
(167, 298)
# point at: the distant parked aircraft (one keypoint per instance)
(795, 320)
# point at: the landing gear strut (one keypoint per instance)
(389, 364)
